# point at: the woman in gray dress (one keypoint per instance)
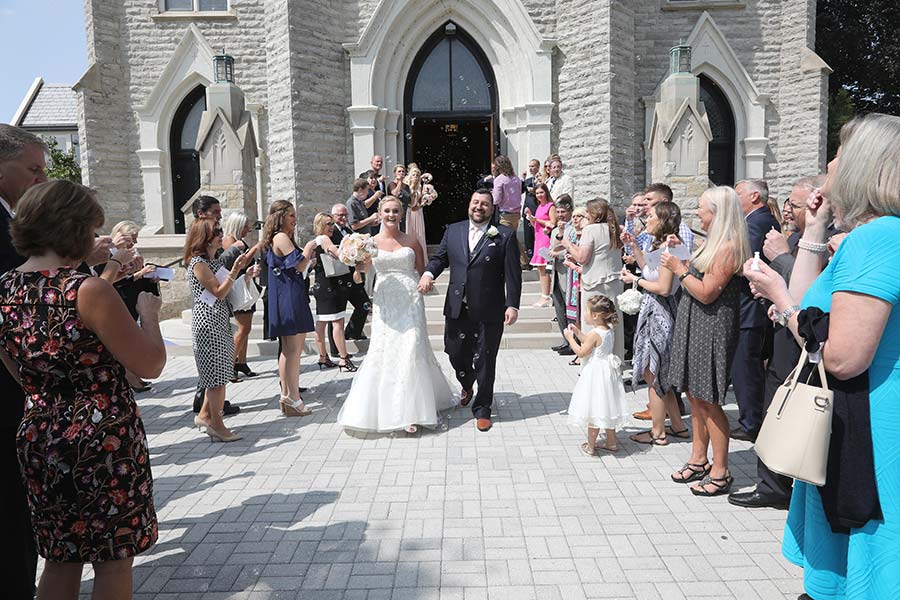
(706, 334)
(655, 325)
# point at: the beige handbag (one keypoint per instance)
(796, 432)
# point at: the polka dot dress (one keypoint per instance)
(211, 332)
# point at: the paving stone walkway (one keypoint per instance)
(300, 509)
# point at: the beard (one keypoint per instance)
(479, 218)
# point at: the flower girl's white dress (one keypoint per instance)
(598, 399)
(400, 382)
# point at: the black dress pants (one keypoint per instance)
(359, 300)
(472, 347)
(748, 377)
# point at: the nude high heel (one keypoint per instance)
(293, 408)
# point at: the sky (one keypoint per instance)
(38, 38)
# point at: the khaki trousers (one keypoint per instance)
(511, 220)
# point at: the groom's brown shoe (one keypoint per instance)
(465, 398)
(483, 424)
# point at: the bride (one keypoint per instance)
(399, 385)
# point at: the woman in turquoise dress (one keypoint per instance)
(861, 291)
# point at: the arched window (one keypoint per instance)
(185, 159)
(721, 121)
(450, 120)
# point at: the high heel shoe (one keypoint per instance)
(348, 364)
(293, 408)
(325, 362)
(219, 436)
(245, 369)
(544, 302)
(200, 424)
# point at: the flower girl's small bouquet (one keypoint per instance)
(357, 248)
(429, 194)
(629, 301)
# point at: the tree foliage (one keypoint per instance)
(858, 39)
(63, 165)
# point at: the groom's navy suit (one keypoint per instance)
(483, 284)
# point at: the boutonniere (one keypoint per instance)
(492, 232)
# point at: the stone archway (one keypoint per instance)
(502, 29)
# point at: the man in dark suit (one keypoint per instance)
(482, 296)
(773, 490)
(358, 297)
(21, 166)
(529, 182)
(748, 369)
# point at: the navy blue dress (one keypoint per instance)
(289, 312)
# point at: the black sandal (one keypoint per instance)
(721, 488)
(325, 362)
(695, 474)
(684, 434)
(347, 364)
(651, 439)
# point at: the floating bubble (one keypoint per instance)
(465, 139)
(476, 356)
(462, 374)
(462, 336)
(476, 335)
(367, 306)
(487, 259)
(463, 100)
(462, 78)
(276, 271)
(409, 136)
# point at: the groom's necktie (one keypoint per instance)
(474, 235)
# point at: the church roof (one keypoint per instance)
(48, 106)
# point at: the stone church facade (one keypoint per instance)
(448, 83)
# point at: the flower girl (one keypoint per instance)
(598, 400)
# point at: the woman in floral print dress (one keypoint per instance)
(82, 449)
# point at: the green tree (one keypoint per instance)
(63, 165)
(858, 39)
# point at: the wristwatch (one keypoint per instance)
(559, 236)
(784, 316)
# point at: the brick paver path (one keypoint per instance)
(300, 509)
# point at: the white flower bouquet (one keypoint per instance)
(357, 248)
(629, 301)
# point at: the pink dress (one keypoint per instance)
(541, 239)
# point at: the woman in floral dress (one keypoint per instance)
(68, 338)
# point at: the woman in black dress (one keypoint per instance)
(706, 334)
(235, 227)
(331, 293)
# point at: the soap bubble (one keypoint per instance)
(462, 336)
(465, 139)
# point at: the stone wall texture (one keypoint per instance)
(289, 60)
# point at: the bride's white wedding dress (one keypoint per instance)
(400, 382)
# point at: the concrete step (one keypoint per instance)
(178, 339)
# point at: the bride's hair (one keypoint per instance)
(387, 199)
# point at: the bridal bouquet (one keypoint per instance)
(429, 194)
(357, 248)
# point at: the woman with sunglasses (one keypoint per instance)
(210, 323)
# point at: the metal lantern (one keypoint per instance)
(223, 65)
(680, 59)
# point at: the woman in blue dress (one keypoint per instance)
(861, 291)
(290, 318)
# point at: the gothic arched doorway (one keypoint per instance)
(721, 122)
(451, 126)
(185, 159)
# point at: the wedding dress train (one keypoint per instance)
(400, 382)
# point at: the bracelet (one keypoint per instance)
(117, 261)
(812, 246)
(683, 275)
(232, 278)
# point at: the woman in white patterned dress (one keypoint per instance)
(400, 384)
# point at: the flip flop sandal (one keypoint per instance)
(684, 434)
(721, 485)
(651, 440)
(696, 472)
(612, 450)
(585, 449)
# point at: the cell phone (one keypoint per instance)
(258, 225)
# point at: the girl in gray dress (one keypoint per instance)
(706, 334)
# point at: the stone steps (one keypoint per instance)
(534, 329)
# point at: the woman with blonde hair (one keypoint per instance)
(415, 217)
(706, 334)
(236, 226)
(850, 550)
(599, 252)
(331, 293)
(290, 318)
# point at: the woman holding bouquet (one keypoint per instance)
(415, 218)
(331, 292)
(400, 385)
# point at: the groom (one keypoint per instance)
(483, 296)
